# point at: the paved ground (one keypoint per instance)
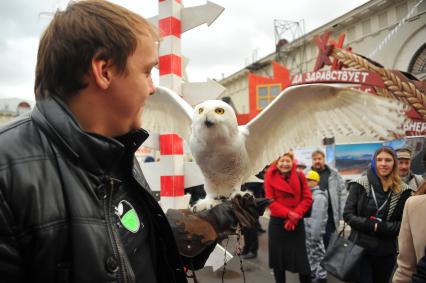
(255, 270)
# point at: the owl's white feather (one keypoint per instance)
(301, 116)
(228, 154)
(165, 112)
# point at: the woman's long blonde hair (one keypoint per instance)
(392, 181)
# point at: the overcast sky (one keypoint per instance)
(243, 32)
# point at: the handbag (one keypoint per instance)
(343, 258)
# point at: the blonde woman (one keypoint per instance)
(374, 211)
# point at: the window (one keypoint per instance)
(383, 20)
(366, 27)
(265, 94)
(418, 62)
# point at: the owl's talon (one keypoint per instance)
(205, 204)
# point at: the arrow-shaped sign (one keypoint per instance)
(194, 16)
(197, 92)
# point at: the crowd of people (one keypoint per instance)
(373, 205)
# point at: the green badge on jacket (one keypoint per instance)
(128, 216)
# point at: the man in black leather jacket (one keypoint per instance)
(74, 204)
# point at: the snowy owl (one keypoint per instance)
(300, 116)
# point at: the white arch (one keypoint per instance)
(410, 44)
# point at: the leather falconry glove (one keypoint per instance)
(197, 233)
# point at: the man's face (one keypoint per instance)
(404, 167)
(318, 162)
(129, 91)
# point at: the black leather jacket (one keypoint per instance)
(55, 211)
(356, 214)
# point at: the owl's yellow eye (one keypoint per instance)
(200, 110)
(219, 111)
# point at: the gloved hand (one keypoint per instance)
(289, 225)
(196, 232)
(243, 210)
(294, 217)
(370, 224)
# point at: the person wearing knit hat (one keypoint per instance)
(315, 227)
(404, 164)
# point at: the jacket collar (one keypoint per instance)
(326, 168)
(278, 181)
(95, 152)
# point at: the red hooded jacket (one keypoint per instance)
(287, 195)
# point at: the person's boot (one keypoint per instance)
(323, 280)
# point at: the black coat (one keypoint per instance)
(55, 206)
(356, 213)
(420, 275)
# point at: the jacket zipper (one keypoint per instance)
(111, 231)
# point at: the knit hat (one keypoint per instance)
(313, 175)
(403, 153)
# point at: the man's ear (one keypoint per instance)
(102, 72)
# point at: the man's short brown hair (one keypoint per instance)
(85, 30)
(318, 151)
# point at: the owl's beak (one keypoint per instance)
(208, 123)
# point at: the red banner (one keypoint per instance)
(338, 76)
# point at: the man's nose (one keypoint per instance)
(152, 87)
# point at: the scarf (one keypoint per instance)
(288, 183)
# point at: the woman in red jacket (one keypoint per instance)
(291, 198)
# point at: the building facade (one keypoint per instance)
(373, 30)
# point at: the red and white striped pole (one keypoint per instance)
(170, 66)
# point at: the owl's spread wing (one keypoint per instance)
(302, 116)
(165, 112)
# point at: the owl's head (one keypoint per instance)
(213, 114)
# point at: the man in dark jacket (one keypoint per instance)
(74, 204)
